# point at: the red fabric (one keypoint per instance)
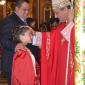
(53, 71)
(71, 61)
(22, 69)
(43, 60)
(54, 61)
(58, 58)
(38, 74)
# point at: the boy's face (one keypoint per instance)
(26, 37)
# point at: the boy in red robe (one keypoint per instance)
(24, 63)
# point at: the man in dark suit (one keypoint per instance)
(18, 17)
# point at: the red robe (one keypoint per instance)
(59, 57)
(43, 60)
(22, 69)
(54, 70)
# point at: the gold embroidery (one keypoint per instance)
(71, 62)
(48, 46)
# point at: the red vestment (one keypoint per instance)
(43, 60)
(54, 70)
(22, 69)
(58, 57)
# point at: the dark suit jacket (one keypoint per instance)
(6, 28)
(35, 51)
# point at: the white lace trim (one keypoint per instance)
(67, 30)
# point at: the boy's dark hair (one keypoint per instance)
(19, 30)
(44, 27)
(18, 3)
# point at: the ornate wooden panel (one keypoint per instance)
(42, 10)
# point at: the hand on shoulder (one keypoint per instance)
(20, 46)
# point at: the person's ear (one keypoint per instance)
(16, 9)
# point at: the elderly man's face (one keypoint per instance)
(23, 10)
(61, 13)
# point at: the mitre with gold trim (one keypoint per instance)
(56, 4)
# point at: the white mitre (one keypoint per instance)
(56, 4)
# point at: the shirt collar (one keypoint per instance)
(20, 17)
